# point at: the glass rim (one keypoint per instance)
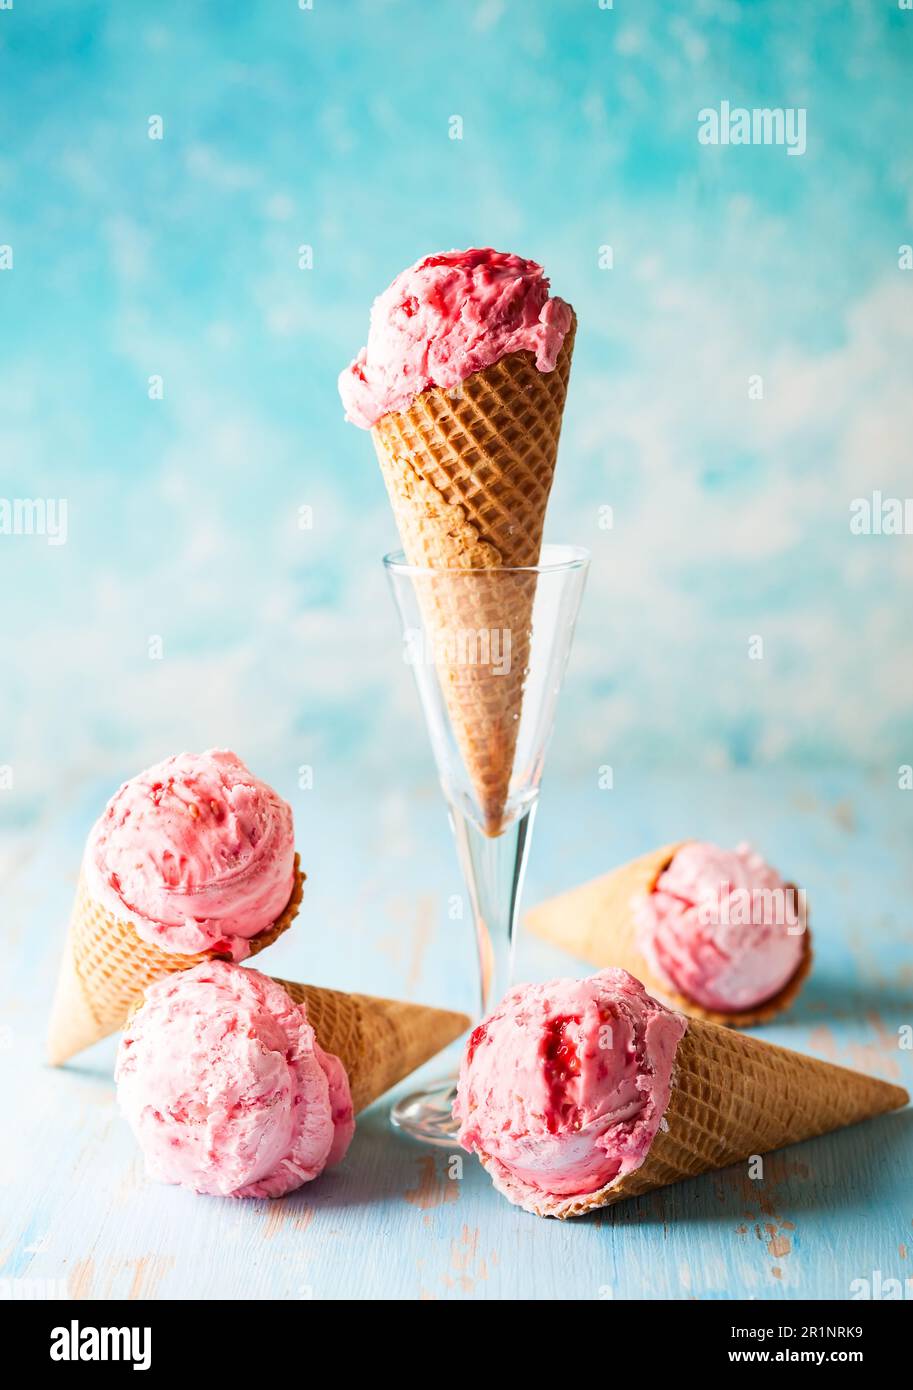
(573, 557)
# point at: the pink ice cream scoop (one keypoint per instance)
(446, 317)
(196, 852)
(226, 1088)
(564, 1086)
(721, 927)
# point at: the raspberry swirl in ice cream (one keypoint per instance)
(226, 1088)
(721, 927)
(446, 317)
(196, 852)
(564, 1086)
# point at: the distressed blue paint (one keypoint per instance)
(730, 519)
(381, 869)
(180, 257)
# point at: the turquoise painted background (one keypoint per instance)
(179, 258)
(330, 128)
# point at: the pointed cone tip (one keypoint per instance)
(71, 1027)
(399, 1038)
(594, 921)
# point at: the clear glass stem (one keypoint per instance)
(494, 868)
(489, 740)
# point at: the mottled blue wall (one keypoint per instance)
(330, 127)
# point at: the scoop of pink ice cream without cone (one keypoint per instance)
(226, 1088)
(721, 927)
(196, 852)
(443, 319)
(564, 1086)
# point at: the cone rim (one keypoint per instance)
(764, 1012)
(654, 863)
(513, 358)
(564, 1207)
(71, 979)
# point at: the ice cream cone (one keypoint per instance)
(733, 1097)
(469, 473)
(106, 966)
(378, 1041)
(596, 923)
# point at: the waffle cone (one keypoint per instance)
(595, 922)
(106, 966)
(379, 1041)
(733, 1097)
(469, 473)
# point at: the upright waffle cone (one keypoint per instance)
(379, 1041)
(106, 966)
(732, 1097)
(595, 922)
(469, 473)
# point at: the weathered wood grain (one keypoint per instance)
(391, 1222)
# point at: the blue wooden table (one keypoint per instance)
(78, 1214)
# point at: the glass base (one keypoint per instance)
(428, 1115)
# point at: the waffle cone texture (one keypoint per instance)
(595, 922)
(378, 1041)
(106, 966)
(468, 473)
(732, 1097)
